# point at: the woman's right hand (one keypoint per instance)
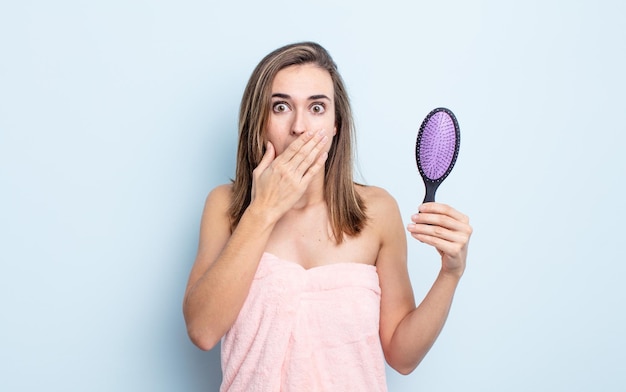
(278, 182)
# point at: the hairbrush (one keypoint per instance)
(436, 149)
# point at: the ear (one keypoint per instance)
(335, 130)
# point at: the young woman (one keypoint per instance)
(301, 272)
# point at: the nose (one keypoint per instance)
(298, 125)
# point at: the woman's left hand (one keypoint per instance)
(447, 230)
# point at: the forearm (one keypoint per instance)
(418, 331)
(213, 302)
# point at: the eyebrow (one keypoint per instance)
(311, 98)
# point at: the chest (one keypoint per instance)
(308, 240)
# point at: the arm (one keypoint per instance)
(408, 332)
(226, 263)
(224, 268)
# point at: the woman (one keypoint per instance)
(301, 271)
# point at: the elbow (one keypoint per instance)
(402, 365)
(200, 332)
(204, 344)
(203, 339)
(404, 370)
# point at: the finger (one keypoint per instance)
(439, 220)
(441, 226)
(268, 157)
(315, 168)
(443, 209)
(266, 160)
(296, 146)
(451, 243)
(301, 149)
(430, 229)
(438, 243)
(441, 215)
(310, 154)
(421, 231)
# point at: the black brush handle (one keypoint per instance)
(431, 189)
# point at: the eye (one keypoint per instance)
(280, 107)
(318, 108)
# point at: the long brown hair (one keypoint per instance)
(345, 206)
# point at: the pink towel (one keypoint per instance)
(306, 330)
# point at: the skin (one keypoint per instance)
(288, 217)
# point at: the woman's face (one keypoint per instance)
(302, 99)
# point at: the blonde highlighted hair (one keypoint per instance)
(345, 206)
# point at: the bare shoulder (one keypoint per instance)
(214, 226)
(221, 194)
(216, 207)
(385, 221)
(379, 203)
(373, 194)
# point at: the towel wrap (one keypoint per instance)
(306, 330)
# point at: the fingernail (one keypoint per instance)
(411, 226)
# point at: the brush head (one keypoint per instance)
(437, 145)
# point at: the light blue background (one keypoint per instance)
(118, 117)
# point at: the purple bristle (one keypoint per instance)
(437, 145)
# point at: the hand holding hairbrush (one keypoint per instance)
(436, 149)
